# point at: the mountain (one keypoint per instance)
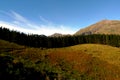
(56, 35)
(59, 35)
(102, 27)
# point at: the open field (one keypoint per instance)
(80, 62)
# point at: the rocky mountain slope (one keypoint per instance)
(102, 27)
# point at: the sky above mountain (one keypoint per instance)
(55, 16)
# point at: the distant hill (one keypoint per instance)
(59, 35)
(102, 27)
(56, 35)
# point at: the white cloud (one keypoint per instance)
(5, 13)
(16, 22)
(19, 23)
(46, 30)
(18, 17)
(45, 20)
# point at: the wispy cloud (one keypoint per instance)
(45, 20)
(22, 24)
(18, 17)
(5, 13)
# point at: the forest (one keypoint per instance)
(42, 41)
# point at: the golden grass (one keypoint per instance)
(8, 45)
(103, 52)
(94, 60)
(100, 62)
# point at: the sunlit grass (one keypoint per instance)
(103, 52)
(92, 61)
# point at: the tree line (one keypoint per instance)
(42, 41)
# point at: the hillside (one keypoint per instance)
(80, 62)
(59, 35)
(56, 35)
(102, 27)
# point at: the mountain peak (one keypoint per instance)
(59, 35)
(56, 35)
(102, 27)
(108, 21)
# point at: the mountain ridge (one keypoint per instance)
(101, 27)
(59, 35)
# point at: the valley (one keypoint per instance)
(79, 62)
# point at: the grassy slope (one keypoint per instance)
(103, 52)
(93, 61)
(102, 27)
(6, 44)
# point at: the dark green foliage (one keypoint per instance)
(28, 70)
(16, 71)
(56, 42)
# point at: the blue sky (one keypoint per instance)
(56, 16)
